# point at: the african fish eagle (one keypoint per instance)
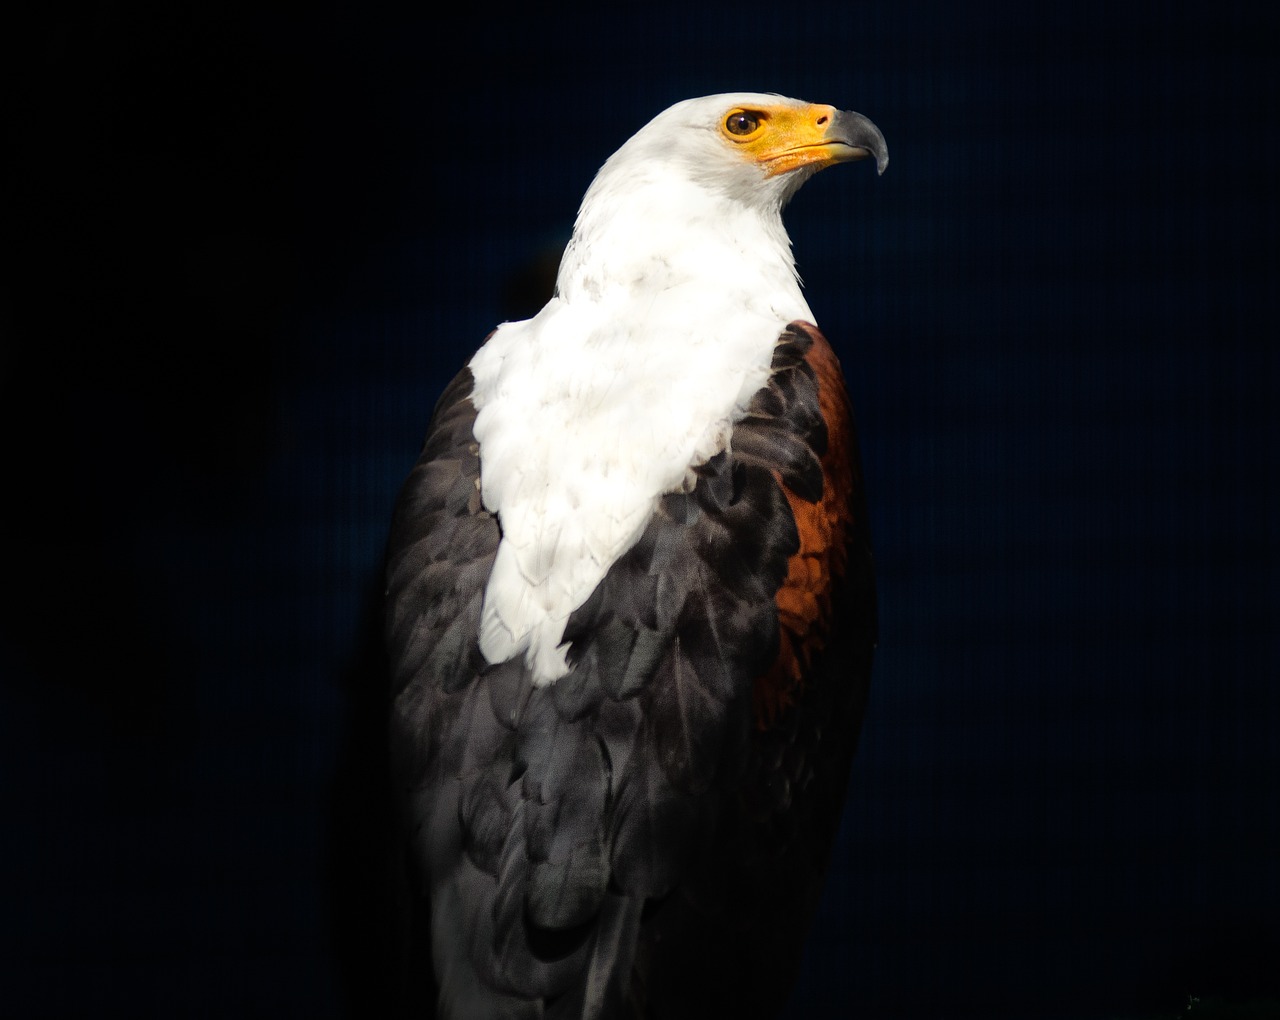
(630, 606)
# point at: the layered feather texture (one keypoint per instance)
(630, 608)
(620, 842)
(673, 290)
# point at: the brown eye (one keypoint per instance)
(741, 123)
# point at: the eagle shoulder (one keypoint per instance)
(672, 798)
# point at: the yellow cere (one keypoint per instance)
(784, 138)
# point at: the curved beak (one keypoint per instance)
(861, 137)
(812, 137)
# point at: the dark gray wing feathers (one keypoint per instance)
(572, 839)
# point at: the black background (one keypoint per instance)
(247, 251)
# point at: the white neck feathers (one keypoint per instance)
(669, 301)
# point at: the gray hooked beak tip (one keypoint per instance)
(859, 133)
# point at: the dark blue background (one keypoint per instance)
(248, 252)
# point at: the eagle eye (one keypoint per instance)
(742, 122)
